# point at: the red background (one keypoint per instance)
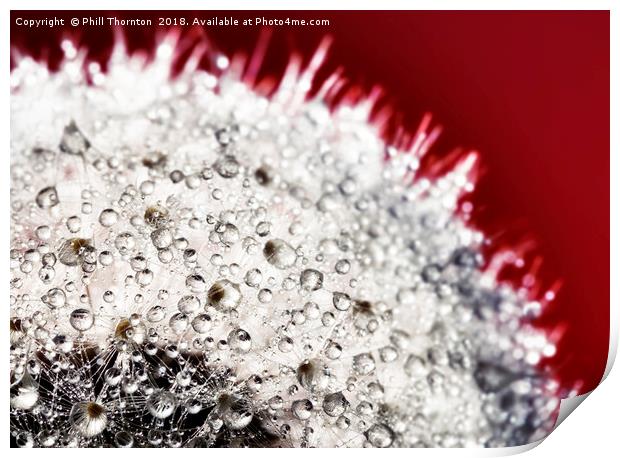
(529, 90)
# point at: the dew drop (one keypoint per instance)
(47, 197)
(123, 439)
(311, 279)
(380, 435)
(363, 364)
(279, 254)
(161, 238)
(227, 166)
(161, 404)
(302, 409)
(240, 340)
(189, 304)
(253, 278)
(202, 323)
(81, 319)
(224, 294)
(335, 404)
(196, 283)
(108, 217)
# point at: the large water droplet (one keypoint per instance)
(161, 404)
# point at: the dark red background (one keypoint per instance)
(529, 90)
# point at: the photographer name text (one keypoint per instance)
(216, 21)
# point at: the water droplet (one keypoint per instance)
(74, 224)
(43, 232)
(155, 314)
(265, 295)
(236, 412)
(302, 409)
(125, 242)
(253, 277)
(335, 404)
(285, 344)
(189, 304)
(380, 435)
(363, 364)
(47, 197)
(263, 229)
(415, 366)
(228, 233)
(108, 217)
(202, 323)
(73, 140)
(179, 322)
(341, 301)
(240, 340)
(25, 394)
(224, 294)
(161, 404)
(342, 267)
(313, 375)
(227, 166)
(113, 376)
(123, 439)
(81, 319)
(145, 277)
(333, 350)
(55, 298)
(196, 283)
(279, 254)
(161, 238)
(264, 175)
(106, 258)
(311, 279)
(388, 354)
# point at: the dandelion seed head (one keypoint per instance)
(194, 264)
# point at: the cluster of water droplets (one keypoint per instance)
(193, 264)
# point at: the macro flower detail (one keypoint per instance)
(194, 264)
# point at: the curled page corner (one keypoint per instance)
(568, 405)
